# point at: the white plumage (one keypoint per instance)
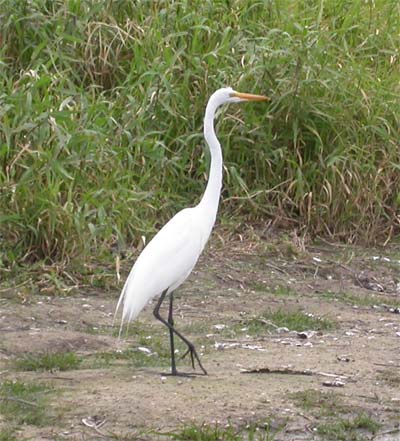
(166, 261)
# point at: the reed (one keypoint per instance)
(101, 107)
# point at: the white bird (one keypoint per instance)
(171, 255)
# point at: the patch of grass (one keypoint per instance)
(324, 403)
(292, 320)
(7, 434)
(133, 357)
(24, 403)
(204, 433)
(104, 359)
(59, 361)
(197, 330)
(216, 433)
(329, 405)
(354, 429)
(284, 290)
(258, 286)
(141, 359)
(147, 336)
(65, 361)
(100, 330)
(136, 329)
(278, 290)
(362, 299)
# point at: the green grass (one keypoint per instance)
(216, 433)
(278, 290)
(24, 403)
(133, 357)
(292, 320)
(64, 361)
(7, 435)
(284, 290)
(336, 420)
(149, 336)
(59, 361)
(353, 429)
(322, 403)
(102, 107)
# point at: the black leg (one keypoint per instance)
(171, 334)
(191, 349)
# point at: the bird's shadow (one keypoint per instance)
(182, 374)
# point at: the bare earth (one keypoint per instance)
(357, 363)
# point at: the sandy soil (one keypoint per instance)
(253, 379)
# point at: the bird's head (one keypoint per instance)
(228, 95)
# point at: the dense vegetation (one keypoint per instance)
(101, 107)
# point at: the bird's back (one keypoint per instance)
(166, 261)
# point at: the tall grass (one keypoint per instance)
(101, 107)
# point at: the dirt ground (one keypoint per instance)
(259, 379)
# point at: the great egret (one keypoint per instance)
(170, 256)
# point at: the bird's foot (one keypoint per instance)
(193, 355)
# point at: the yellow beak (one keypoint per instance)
(249, 96)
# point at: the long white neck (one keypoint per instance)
(210, 199)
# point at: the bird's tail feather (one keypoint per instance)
(120, 300)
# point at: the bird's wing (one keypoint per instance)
(164, 264)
